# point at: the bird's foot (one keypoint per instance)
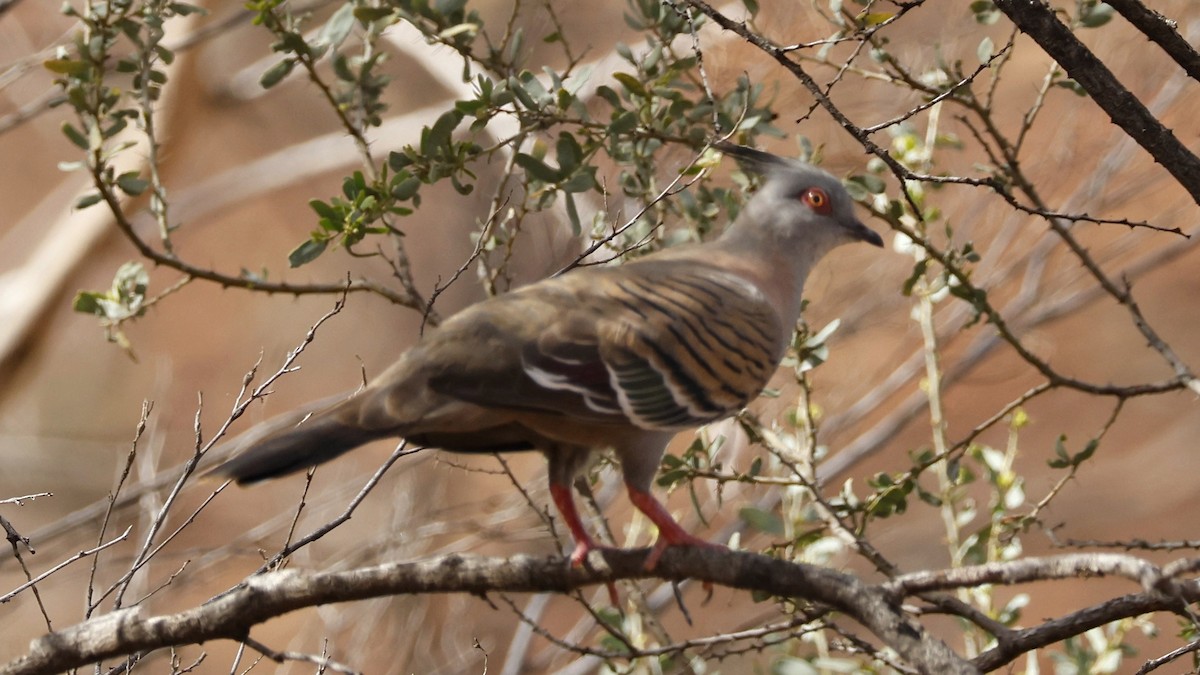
(677, 537)
(669, 531)
(583, 548)
(579, 556)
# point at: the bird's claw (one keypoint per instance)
(579, 556)
(679, 538)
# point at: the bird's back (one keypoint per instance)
(658, 344)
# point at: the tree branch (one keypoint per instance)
(1161, 31)
(1037, 20)
(259, 598)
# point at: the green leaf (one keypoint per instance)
(918, 272)
(115, 128)
(985, 50)
(581, 182)
(631, 83)
(307, 252)
(871, 183)
(439, 133)
(570, 154)
(185, 9)
(131, 281)
(371, 14)
(1095, 14)
(928, 497)
(606, 92)
(1061, 458)
(522, 94)
(449, 7)
(535, 87)
(874, 18)
(276, 73)
(755, 467)
(460, 187)
(74, 135)
(985, 12)
(406, 189)
(65, 66)
(341, 68)
(398, 160)
(88, 302)
(623, 123)
(761, 520)
(353, 185)
(131, 184)
(337, 28)
(1073, 86)
(668, 479)
(88, 200)
(1087, 452)
(573, 215)
(536, 168)
(324, 210)
(294, 43)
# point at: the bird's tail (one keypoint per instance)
(285, 446)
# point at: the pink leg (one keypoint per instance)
(561, 494)
(669, 531)
(566, 507)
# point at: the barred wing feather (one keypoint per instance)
(670, 347)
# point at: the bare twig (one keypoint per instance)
(1156, 663)
(20, 501)
(321, 661)
(400, 451)
(75, 558)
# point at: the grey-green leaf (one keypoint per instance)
(131, 184)
(985, 50)
(88, 200)
(306, 252)
(276, 73)
(536, 168)
(761, 520)
(337, 28)
(74, 135)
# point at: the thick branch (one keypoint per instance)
(232, 615)
(1162, 32)
(1037, 20)
(1023, 641)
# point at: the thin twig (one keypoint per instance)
(78, 556)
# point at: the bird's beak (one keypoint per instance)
(864, 233)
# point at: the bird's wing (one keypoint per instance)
(660, 345)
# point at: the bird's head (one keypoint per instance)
(798, 202)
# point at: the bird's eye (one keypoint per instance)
(817, 200)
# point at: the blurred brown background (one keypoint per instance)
(69, 401)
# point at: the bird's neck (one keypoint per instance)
(774, 265)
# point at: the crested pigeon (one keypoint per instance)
(619, 357)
